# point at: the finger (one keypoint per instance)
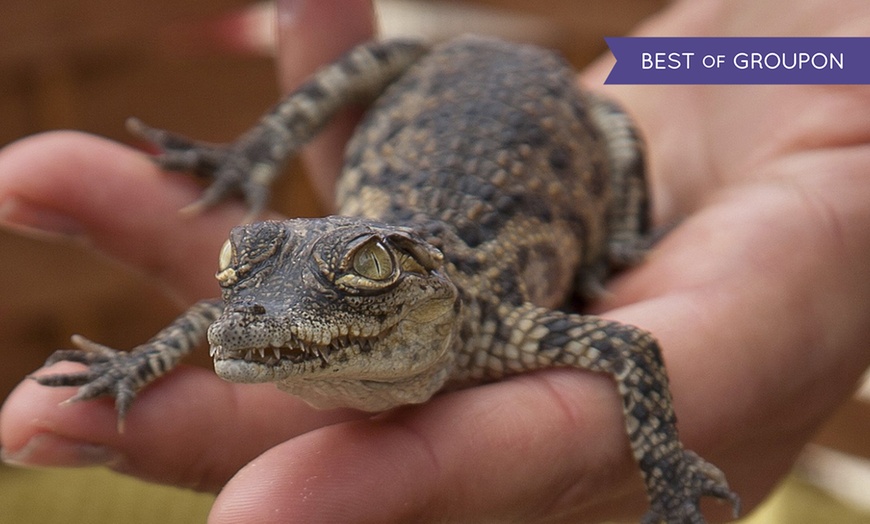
(193, 431)
(113, 196)
(514, 451)
(311, 34)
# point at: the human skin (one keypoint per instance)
(758, 297)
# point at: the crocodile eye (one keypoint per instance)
(226, 256)
(226, 275)
(373, 261)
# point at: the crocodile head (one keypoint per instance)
(339, 311)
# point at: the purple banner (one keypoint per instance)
(677, 60)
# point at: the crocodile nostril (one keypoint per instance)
(247, 307)
(258, 309)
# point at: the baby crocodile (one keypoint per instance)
(481, 195)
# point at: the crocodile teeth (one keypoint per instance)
(295, 350)
(324, 360)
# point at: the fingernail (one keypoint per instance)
(52, 450)
(38, 221)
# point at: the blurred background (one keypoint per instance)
(204, 68)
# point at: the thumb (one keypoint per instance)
(113, 197)
(311, 34)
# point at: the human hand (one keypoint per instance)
(767, 274)
(738, 294)
(43, 189)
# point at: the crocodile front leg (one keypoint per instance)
(532, 337)
(253, 161)
(121, 374)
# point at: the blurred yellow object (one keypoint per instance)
(798, 502)
(94, 496)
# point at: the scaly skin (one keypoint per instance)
(482, 193)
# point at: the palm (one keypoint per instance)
(768, 186)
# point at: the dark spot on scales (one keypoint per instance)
(470, 233)
(560, 159)
(312, 90)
